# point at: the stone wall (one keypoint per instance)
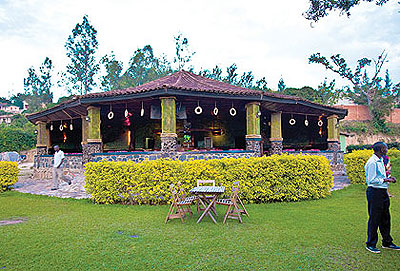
(182, 156)
(42, 165)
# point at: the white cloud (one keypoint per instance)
(271, 38)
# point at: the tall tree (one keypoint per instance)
(231, 74)
(81, 48)
(37, 86)
(143, 67)
(281, 85)
(246, 80)
(113, 70)
(325, 94)
(364, 89)
(262, 84)
(183, 53)
(321, 8)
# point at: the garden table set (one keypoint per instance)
(205, 196)
(202, 192)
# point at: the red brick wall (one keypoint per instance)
(360, 112)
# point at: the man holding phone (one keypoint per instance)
(378, 200)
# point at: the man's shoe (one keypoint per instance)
(391, 246)
(53, 188)
(373, 249)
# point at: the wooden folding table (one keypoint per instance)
(202, 192)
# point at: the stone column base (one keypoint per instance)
(88, 149)
(276, 147)
(41, 150)
(253, 143)
(333, 146)
(169, 143)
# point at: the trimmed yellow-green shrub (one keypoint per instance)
(8, 175)
(355, 163)
(264, 179)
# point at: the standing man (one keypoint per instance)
(57, 167)
(378, 200)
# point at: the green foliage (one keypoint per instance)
(16, 139)
(321, 8)
(395, 163)
(325, 94)
(246, 80)
(355, 163)
(37, 87)
(365, 90)
(81, 47)
(265, 179)
(8, 175)
(281, 85)
(392, 145)
(113, 69)
(183, 53)
(358, 127)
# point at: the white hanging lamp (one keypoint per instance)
(110, 114)
(126, 113)
(215, 111)
(142, 111)
(292, 121)
(198, 110)
(232, 111)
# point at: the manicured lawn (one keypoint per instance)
(62, 234)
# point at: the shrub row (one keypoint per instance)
(8, 175)
(356, 160)
(264, 179)
(351, 148)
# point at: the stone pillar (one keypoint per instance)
(43, 138)
(253, 135)
(276, 133)
(84, 143)
(333, 133)
(168, 125)
(93, 135)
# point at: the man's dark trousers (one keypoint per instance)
(379, 216)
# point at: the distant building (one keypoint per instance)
(10, 108)
(11, 111)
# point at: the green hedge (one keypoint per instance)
(356, 160)
(8, 175)
(351, 148)
(16, 139)
(264, 179)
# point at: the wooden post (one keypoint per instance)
(168, 125)
(91, 134)
(333, 133)
(85, 128)
(94, 134)
(276, 133)
(253, 135)
(43, 138)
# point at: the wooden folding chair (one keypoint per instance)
(233, 211)
(183, 198)
(177, 206)
(201, 183)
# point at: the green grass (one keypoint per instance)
(65, 234)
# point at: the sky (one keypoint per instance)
(270, 38)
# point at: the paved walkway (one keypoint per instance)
(26, 184)
(76, 190)
(340, 182)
